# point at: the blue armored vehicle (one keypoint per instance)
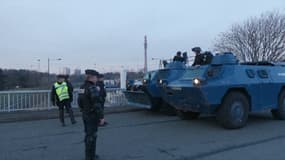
(152, 82)
(151, 94)
(229, 90)
(146, 94)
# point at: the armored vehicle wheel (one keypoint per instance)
(155, 104)
(233, 112)
(279, 113)
(187, 115)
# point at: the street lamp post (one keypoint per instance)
(58, 59)
(160, 62)
(39, 65)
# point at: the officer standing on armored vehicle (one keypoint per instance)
(199, 58)
(89, 103)
(61, 95)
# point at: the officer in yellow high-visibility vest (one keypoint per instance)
(61, 95)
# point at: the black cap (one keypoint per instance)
(196, 49)
(91, 72)
(101, 76)
(60, 76)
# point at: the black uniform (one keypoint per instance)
(70, 91)
(103, 94)
(178, 58)
(185, 57)
(64, 103)
(89, 103)
(208, 56)
(203, 59)
(199, 60)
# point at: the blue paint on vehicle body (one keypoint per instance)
(262, 83)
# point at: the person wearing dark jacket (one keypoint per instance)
(103, 94)
(185, 57)
(61, 95)
(70, 90)
(208, 56)
(178, 57)
(89, 102)
(199, 58)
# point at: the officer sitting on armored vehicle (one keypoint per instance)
(185, 57)
(164, 62)
(208, 56)
(178, 57)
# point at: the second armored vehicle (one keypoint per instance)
(151, 94)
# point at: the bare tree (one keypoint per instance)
(257, 39)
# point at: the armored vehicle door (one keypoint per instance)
(265, 88)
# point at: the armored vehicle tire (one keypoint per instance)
(155, 104)
(233, 112)
(187, 115)
(280, 112)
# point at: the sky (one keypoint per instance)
(109, 34)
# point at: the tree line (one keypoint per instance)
(16, 79)
(12, 79)
(260, 38)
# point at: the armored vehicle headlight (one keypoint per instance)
(162, 82)
(196, 81)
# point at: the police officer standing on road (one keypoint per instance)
(103, 94)
(61, 95)
(199, 58)
(89, 103)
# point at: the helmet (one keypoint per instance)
(196, 49)
(91, 72)
(60, 76)
(178, 53)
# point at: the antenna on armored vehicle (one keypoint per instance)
(145, 54)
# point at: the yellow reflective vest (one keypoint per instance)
(61, 91)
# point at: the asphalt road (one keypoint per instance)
(143, 135)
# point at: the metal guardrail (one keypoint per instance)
(40, 100)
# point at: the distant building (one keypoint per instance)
(77, 72)
(65, 71)
(112, 83)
